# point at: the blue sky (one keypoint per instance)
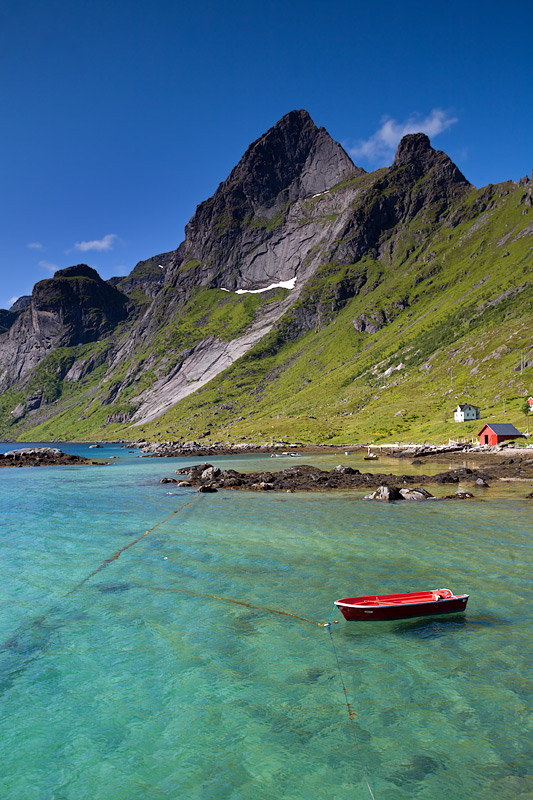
(120, 117)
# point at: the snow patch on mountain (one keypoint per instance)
(290, 284)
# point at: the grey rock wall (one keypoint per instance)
(74, 307)
(293, 205)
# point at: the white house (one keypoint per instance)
(465, 412)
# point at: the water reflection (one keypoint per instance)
(425, 627)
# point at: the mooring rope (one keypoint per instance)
(180, 589)
(115, 556)
(351, 711)
(38, 620)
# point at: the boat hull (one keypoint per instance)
(392, 607)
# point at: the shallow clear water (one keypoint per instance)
(129, 687)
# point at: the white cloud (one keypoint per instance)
(381, 146)
(12, 300)
(34, 245)
(48, 266)
(106, 243)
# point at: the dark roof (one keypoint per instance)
(502, 429)
(462, 406)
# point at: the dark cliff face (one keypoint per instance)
(294, 160)
(422, 186)
(7, 318)
(22, 303)
(146, 278)
(74, 307)
(84, 305)
(415, 151)
(420, 181)
(415, 160)
(274, 219)
(248, 234)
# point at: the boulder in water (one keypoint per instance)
(385, 494)
(416, 494)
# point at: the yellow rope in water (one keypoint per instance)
(107, 561)
(179, 589)
(38, 620)
(114, 557)
(351, 712)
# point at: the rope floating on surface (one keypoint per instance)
(116, 555)
(179, 589)
(38, 620)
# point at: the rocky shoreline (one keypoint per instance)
(419, 451)
(41, 457)
(208, 478)
(196, 449)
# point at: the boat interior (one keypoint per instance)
(400, 599)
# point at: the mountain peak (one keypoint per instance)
(298, 117)
(78, 271)
(295, 157)
(412, 147)
(294, 160)
(416, 153)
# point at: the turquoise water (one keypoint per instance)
(129, 688)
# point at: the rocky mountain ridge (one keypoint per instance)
(295, 209)
(73, 308)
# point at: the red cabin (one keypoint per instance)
(498, 432)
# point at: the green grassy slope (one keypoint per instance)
(99, 401)
(451, 308)
(467, 291)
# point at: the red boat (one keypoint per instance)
(401, 606)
